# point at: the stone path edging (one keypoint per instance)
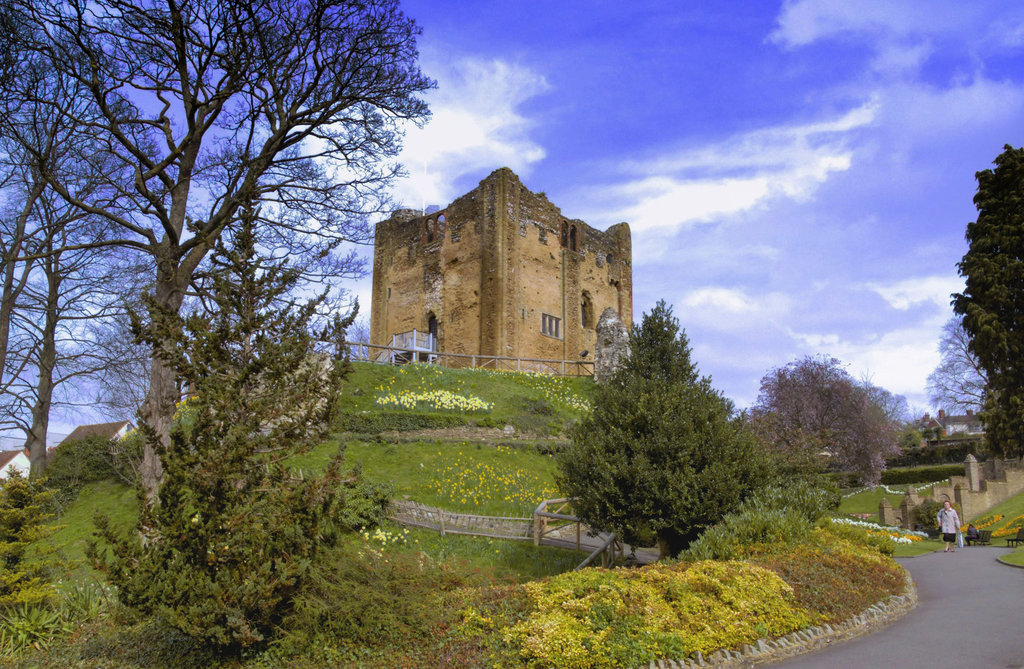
(763, 651)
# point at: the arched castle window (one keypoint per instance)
(432, 327)
(573, 239)
(428, 230)
(587, 311)
(563, 238)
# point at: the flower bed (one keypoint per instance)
(896, 534)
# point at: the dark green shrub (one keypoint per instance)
(843, 480)
(921, 474)
(79, 462)
(356, 599)
(809, 500)
(941, 452)
(379, 421)
(772, 527)
(24, 511)
(927, 514)
(662, 456)
(364, 504)
(233, 532)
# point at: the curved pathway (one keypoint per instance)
(970, 613)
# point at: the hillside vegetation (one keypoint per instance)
(403, 597)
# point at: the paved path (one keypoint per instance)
(967, 600)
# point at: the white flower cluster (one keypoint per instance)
(897, 534)
(889, 490)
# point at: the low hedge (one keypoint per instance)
(383, 421)
(941, 452)
(921, 474)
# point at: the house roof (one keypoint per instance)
(104, 430)
(6, 457)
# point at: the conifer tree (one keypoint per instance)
(662, 456)
(24, 522)
(234, 530)
(993, 270)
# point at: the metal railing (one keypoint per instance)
(398, 355)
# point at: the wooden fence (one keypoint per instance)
(552, 526)
(449, 522)
(398, 355)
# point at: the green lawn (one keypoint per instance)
(76, 526)
(868, 501)
(507, 560)
(535, 403)
(458, 476)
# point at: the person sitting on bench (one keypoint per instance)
(971, 535)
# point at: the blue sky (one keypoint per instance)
(797, 176)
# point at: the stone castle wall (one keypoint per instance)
(503, 272)
(982, 487)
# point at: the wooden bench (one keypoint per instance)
(984, 538)
(1017, 540)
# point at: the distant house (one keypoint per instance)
(114, 430)
(17, 459)
(967, 425)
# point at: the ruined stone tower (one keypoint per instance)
(499, 272)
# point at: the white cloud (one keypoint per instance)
(899, 360)
(734, 176)
(475, 124)
(916, 291)
(802, 22)
(729, 308)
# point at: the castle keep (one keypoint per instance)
(499, 272)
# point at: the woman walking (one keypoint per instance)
(949, 525)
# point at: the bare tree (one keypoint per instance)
(959, 381)
(58, 275)
(217, 104)
(122, 382)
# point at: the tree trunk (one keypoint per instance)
(157, 411)
(36, 441)
(12, 286)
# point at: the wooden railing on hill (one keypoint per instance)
(539, 528)
(450, 522)
(397, 355)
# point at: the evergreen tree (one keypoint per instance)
(234, 531)
(662, 456)
(24, 522)
(993, 269)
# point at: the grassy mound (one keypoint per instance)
(381, 398)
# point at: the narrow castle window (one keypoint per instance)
(428, 231)
(550, 325)
(573, 241)
(440, 226)
(432, 326)
(563, 240)
(587, 311)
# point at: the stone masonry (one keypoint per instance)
(982, 487)
(499, 272)
(612, 345)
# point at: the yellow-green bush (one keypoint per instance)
(837, 574)
(600, 618)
